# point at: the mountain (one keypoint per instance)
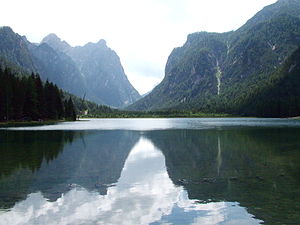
(102, 71)
(212, 72)
(58, 68)
(14, 50)
(277, 96)
(93, 71)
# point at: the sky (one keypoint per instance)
(144, 194)
(142, 32)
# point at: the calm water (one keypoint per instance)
(152, 171)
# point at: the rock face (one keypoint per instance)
(102, 70)
(213, 71)
(58, 68)
(93, 71)
(14, 50)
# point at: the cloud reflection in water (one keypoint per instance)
(144, 194)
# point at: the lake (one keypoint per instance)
(152, 171)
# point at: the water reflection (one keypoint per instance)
(22, 154)
(144, 194)
(27, 150)
(183, 176)
(54, 161)
(257, 167)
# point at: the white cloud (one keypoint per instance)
(143, 31)
(143, 194)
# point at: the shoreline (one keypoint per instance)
(52, 122)
(29, 123)
(294, 118)
(157, 116)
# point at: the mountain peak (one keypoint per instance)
(102, 42)
(209, 70)
(6, 29)
(52, 37)
(55, 42)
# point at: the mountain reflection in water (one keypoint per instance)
(143, 194)
(244, 175)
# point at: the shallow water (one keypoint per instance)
(152, 171)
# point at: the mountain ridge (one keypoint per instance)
(95, 72)
(101, 67)
(13, 49)
(200, 74)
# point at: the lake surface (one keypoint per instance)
(152, 171)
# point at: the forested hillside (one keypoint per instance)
(238, 71)
(27, 98)
(94, 70)
(277, 96)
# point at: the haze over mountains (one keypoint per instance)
(225, 72)
(93, 70)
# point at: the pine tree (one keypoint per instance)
(31, 101)
(41, 101)
(2, 96)
(18, 100)
(8, 93)
(70, 113)
(25, 97)
(58, 102)
(51, 112)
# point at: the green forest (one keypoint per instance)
(27, 98)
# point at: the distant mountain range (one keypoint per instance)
(93, 71)
(254, 70)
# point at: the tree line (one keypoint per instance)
(27, 98)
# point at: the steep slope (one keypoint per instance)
(14, 50)
(277, 96)
(55, 43)
(102, 70)
(93, 71)
(58, 68)
(201, 74)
